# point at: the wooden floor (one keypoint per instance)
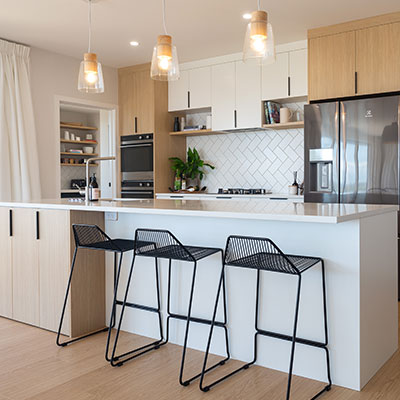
(33, 367)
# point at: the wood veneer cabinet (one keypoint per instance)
(378, 59)
(143, 108)
(37, 247)
(355, 58)
(331, 66)
(5, 265)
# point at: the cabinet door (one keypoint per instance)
(275, 78)
(378, 59)
(298, 73)
(223, 96)
(178, 93)
(54, 266)
(144, 102)
(248, 95)
(6, 295)
(126, 99)
(25, 266)
(200, 87)
(331, 67)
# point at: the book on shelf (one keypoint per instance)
(272, 110)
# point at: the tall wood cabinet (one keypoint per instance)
(355, 58)
(36, 248)
(143, 108)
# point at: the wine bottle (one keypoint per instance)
(295, 184)
(94, 191)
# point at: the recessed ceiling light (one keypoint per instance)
(134, 43)
(247, 16)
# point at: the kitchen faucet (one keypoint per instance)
(90, 160)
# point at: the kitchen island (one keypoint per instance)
(357, 242)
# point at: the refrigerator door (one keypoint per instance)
(369, 162)
(321, 153)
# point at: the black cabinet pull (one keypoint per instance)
(235, 118)
(188, 99)
(37, 226)
(355, 82)
(135, 124)
(11, 223)
(288, 85)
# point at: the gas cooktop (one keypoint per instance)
(242, 191)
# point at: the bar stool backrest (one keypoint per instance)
(161, 242)
(88, 235)
(257, 253)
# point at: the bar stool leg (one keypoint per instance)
(65, 306)
(185, 383)
(296, 317)
(168, 299)
(117, 272)
(115, 360)
(243, 367)
(223, 325)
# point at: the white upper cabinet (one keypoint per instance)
(200, 87)
(298, 73)
(248, 95)
(287, 77)
(191, 91)
(275, 78)
(223, 96)
(178, 93)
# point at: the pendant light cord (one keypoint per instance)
(90, 25)
(163, 14)
(259, 5)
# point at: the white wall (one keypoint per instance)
(57, 75)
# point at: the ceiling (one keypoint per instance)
(200, 29)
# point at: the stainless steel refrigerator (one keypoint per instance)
(352, 152)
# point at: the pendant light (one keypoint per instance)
(164, 63)
(259, 42)
(90, 73)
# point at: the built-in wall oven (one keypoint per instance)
(137, 166)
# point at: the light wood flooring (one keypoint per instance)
(33, 367)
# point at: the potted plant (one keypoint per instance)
(192, 169)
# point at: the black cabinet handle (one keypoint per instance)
(288, 85)
(135, 124)
(188, 99)
(37, 226)
(356, 82)
(235, 118)
(11, 223)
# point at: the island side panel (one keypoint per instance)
(88, 283)
(379, 296)
(338, 244)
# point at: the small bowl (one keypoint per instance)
(88, 149)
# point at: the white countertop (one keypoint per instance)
(243, 209)
(276, 196)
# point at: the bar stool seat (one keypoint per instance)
(276, 262)
(176, 252)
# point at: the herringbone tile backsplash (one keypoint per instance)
(252, 159)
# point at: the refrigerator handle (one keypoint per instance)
(344, 148)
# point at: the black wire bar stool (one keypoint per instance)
(93, 238)
(165, 245)
(263, 255)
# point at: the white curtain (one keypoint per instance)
(19, 164)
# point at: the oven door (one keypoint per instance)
(137, 161)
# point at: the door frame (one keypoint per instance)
(114, 129)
